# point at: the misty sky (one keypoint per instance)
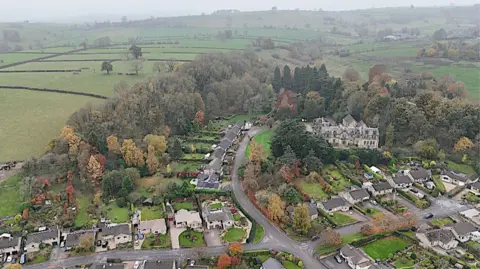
(73, 10)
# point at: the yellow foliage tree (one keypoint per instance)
(94, 168)
(152, 160)
(431, 52)
(158, 142)
(452, 53)
(301, 220)
(276, 207)
(14, 266)
(113, 144)
(131, 154)
(463, 144)
(68, 133)
(256, 152)
(97, 198)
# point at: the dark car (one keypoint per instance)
(315, 237)
(99, 243)
(338, 258)
(428, 216)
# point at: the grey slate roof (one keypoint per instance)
(359, 194)
(109, 266)
(271, 263)
(443, 235)
(419, 172)
(401, 179)
(355, 255)
(464, 228)
(42, 236)
(459, 176)
(225, 144)
(223, 215)
(381, 186)
(231, 135)
(218, 153)
(9, 242)
(312, 209)
(349, 119)
(73, 239)
(159, 265)
(208, 181)
(333, 203)
(476, 185)
(215, 164)
(116, 229)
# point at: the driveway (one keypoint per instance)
(441, 207)
(212, 237)
(174, 234)
(331, 263)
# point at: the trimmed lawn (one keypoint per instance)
(462, 168)
(157, 241)
(184, 205)
(381, 248)
(234, 235)
(339, 182)
(346, 239)
(342, 219)
(264, 139)
(259, 233)
(472, 197)
(439, 185)
(184, 166)
(290, 265)
(399, 264)
(314, 190)
(441, 222)
(82, 216)
(151, 213)
(194, 156)
(216, 206)
(10, 193)
(190, 238)
(116, 214)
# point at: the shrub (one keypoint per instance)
(121, 202)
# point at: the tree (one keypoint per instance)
(427, 149)
(107, 66)
(84, 44)
(127, 183)
(250, 178)
(351, 74)
(200, 117)
(292, 196)
(86, 243)
(135, 51)
(289, 158)
(170, 66)
(14, 266)
(224, 261)
(177, 152)
(439, 34)
(157, 67)
(301, 219)
(277, 79)
(136, 66)
(367, 229)
(94, 168)
(124, 19)
(73, 139)
(158, 142)
(276, 207)
(113, 144)
(314, 105)
(195, 127)
(463, 144)
(389, 137)
(312, 162)
(235, 249)
(287, 77)
(152, 160)
(457, 90)
(132, 155)
(332, 237)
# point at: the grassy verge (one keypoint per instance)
(264, 139)
(439, 185)
(259, 233)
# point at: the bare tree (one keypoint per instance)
(136, 66)
(170, 65)
(157, 67)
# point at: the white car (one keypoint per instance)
(136, 265)
(9, 259)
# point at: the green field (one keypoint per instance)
(314, 190)
(31, 119)
(11, 196)
(184, 205)
(462, 168)
(381, 248)
(264, 139)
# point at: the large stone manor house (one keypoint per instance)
(348, 133)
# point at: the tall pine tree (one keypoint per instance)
(287, 77)
(277, 80)
(298, 81)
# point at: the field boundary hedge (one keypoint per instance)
(42, 71)
(54, 91)
(39, 59)
(105, 60)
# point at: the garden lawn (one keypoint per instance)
(290, 265)
(185, 166)
(216, 206)
(381, 248)
(462, 168)
(346, 239)
(264, 139)
(234, 235)
(193, 156)
(10, 193)
(439, 185)
(441, 222)
(116, 214)
(186, 239)
(342, 219)
(237, 217)
(259, 233)
(157, 241)
(183, 205)
(398, 263)
(151, 213)
(314, 190)
(472, 197)
(82, 216)
(339, 182)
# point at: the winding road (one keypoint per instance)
(273, 238)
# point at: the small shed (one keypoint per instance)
(376, 170)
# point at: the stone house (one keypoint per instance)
(334, 205)
(356, 196)
(188, 219)
(48, 237)
(419, 174)
(401, 181)
(463, 231)
(9, 245)
(475, 188)
(218, 219)
(355, 258)
(157, 226)
(72, 240)
(443, 238)
(119, 233)
(349, 133)
(459, 179)
(381, 188)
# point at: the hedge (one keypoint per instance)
(42, 71)
(359, 209)
(366, 240)
(202, 141)
(425, 190)
(455, 191)
(474, 251)
(251, 236)
(255, 253)
(53, 90)
(413, 199)
(327, 216)
(212, 191)
(195, 160)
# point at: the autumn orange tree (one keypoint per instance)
(94, 169)
(276, 207)
(113, 144)
(463, 144)
(152, 160)
(200, 117)
(131, 154)
(68, 133)
(235, 249)
(224, 261)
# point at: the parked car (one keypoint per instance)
(136, 265)
(9, 259)
(315, 237)
(338, 258)
(99, 243)
(192, 262)
(428, 216)
(22, 259)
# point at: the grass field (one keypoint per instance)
(9, 58)
(346, 239)
(264, 139)
(314, 190)
(462, 168)
(380, 249)
(31, 119)
(234, 235)
(11, 197)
